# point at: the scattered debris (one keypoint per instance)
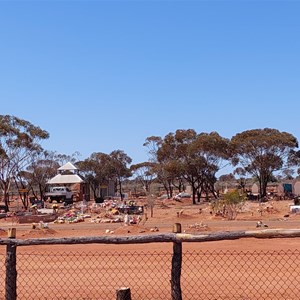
(154, 229)
(196, 227)
(180, 213)
(72, 216)
(261, 224)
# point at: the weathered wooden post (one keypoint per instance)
(176, 266)
(124, 293)
(11, 233)
(11, 268)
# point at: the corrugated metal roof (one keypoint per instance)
(62, 179)
(67, 166)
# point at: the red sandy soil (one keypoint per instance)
(166, 214)
(275, 215)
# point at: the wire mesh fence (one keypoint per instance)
(2, 272)
(88, 275)
(205, 275)
(241, 275)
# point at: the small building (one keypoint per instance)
(68, 175)
(108, 189)
(297, 187)
(280, 189)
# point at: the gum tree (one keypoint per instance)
(261, 152)
(144, 174)
(119, 161)
(202, 159)
(97, 171)
(19, 140)
(193, 158)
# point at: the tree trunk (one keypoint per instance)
(41, 191)
(194, 194)
(170, 189)
(199, 196)
(263, 187)
(6, 194)
(120, 188)
(151, 210)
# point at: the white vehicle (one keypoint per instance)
(182, 195)
(59, 194)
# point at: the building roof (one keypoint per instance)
(67, 166)
(65, 179)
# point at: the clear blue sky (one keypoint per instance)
(105, 75)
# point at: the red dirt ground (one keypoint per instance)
(274, 215)
(166, 214)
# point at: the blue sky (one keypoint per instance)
(105, 75)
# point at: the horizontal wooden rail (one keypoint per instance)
(157, 238)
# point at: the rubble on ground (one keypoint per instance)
(261, 224)
(196, 227)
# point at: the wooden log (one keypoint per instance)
(157, 238)
(124, 293)
(138, 239)
(233, 235)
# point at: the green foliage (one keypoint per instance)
(231, 203)
(19, 142)
(185, 156)
(234, 197)
(261, 152)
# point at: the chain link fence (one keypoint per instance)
(87, 275)
(241, 275)
(204, 275)
(2, 272)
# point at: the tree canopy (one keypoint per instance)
(178, 159)
(261, 152)
(19, 140)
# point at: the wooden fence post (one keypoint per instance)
(176, 266)
(124, 294)
(11, 268)
(11, 233)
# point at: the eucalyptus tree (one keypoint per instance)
(119, 165)
(65, 158)
(169, 158)
(181, 164)
(162, 158)
(42, 167)
(261, 152)
(144, 174)
(294, 161)
(227, 179)
(187, 157)
(241, 173)
(201, 160)
(97, 171)
(153, 143)
(19, 140)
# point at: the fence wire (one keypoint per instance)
(87, 275)
(2, 272)
(242, 275)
